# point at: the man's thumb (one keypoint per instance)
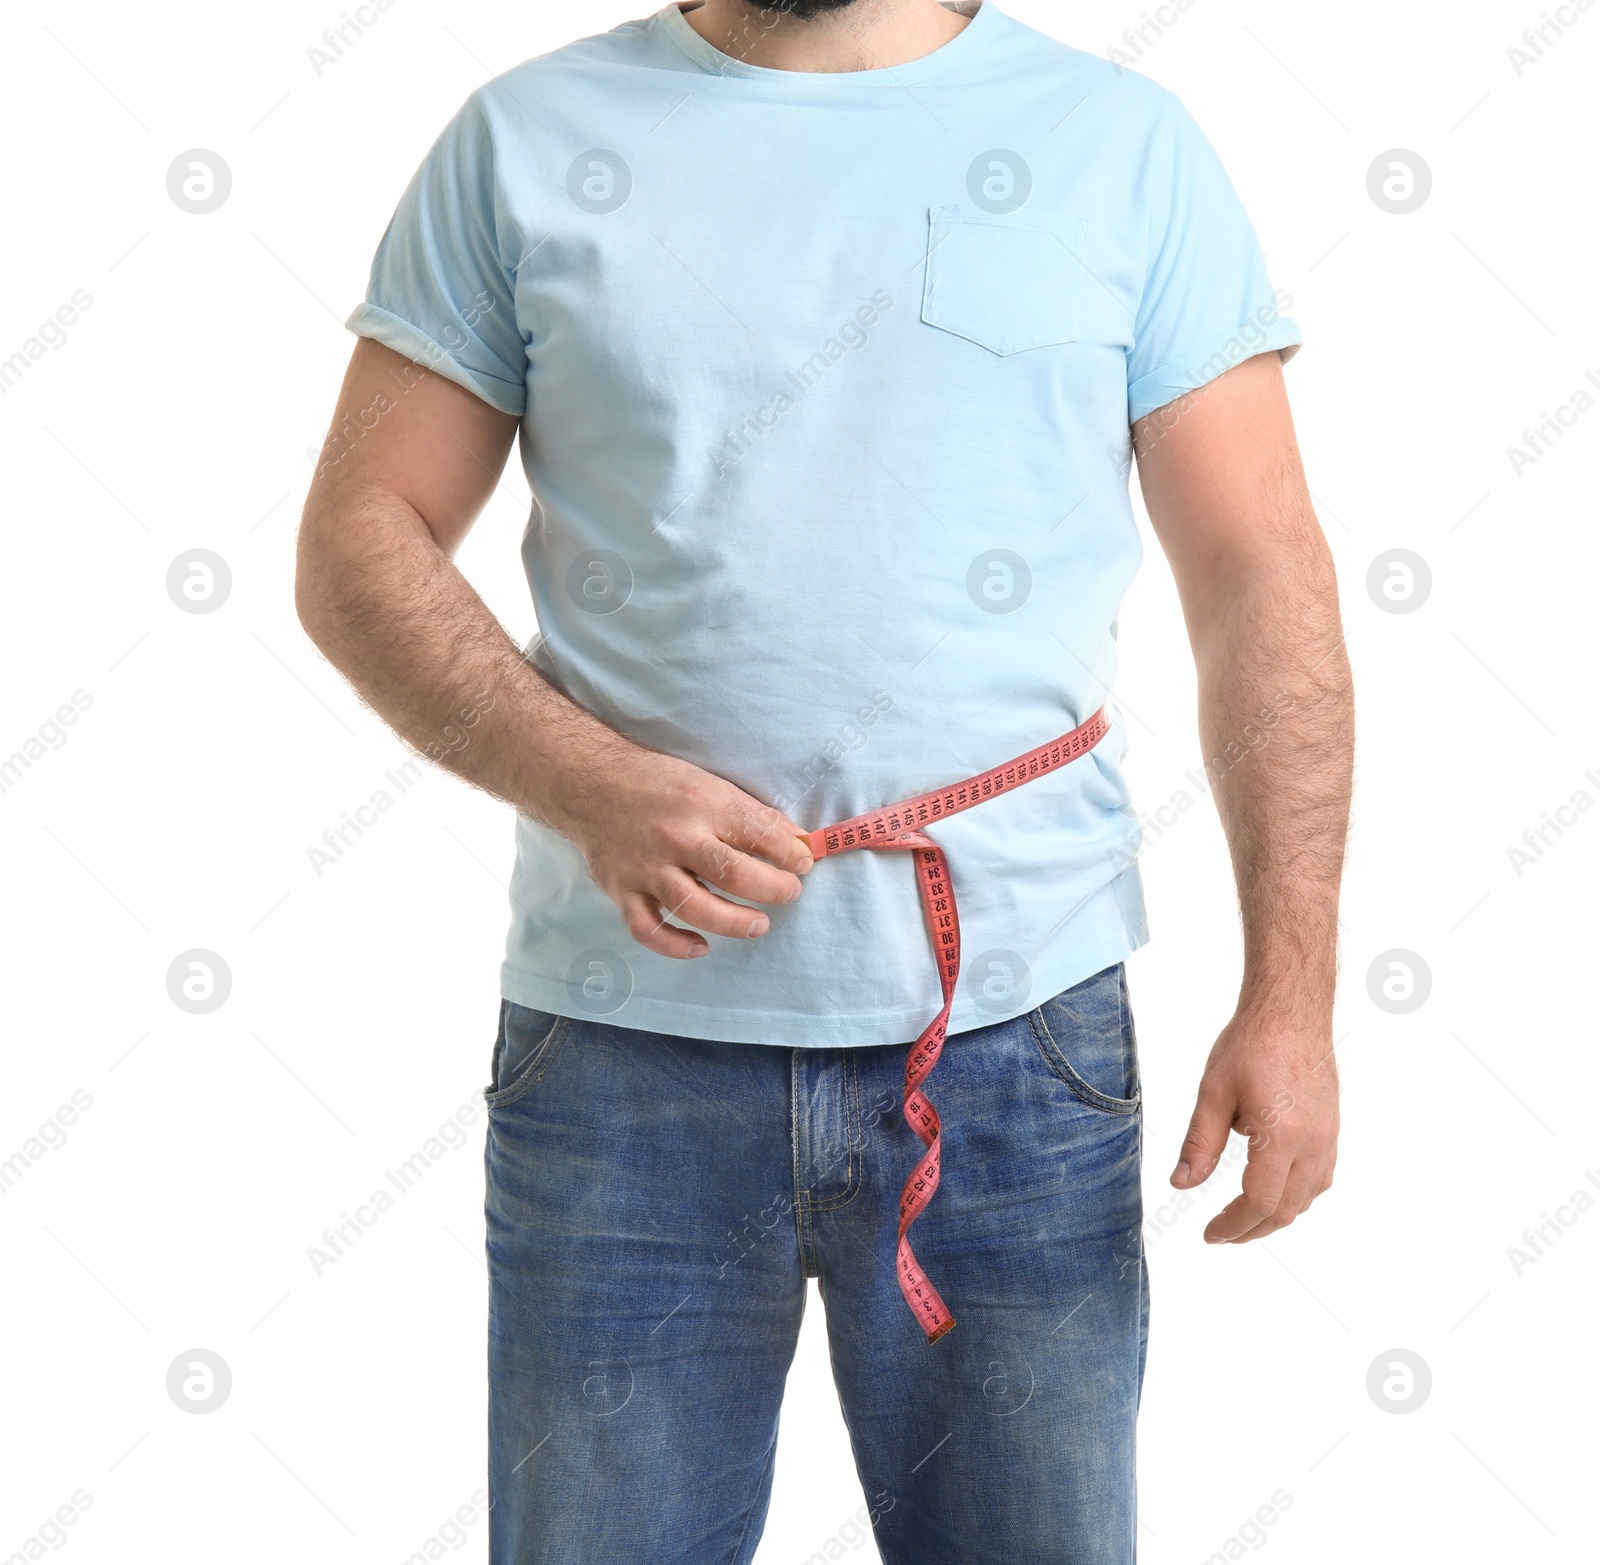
(1207, 1136)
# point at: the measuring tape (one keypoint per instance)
(899, 828)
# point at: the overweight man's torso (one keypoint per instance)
(825, 384)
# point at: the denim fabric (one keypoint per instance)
(655, 1205)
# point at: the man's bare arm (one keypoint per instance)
(1226, 493)
(411, 461)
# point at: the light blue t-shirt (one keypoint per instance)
(825, 383)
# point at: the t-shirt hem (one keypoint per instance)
(1204, 363)
(797, 1030)
(393, 331)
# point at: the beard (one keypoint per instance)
(804, 10)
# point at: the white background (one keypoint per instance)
(180, 414)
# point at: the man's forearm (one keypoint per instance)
(391, 611)
(1276, 720)
(394, 615)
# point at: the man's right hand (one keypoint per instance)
(653, 828)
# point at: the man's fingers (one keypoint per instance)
(685, 898)
(642, 915)
(760, 829)
(730, 870)
(1206, 1138)
(1300, 1189)
(1265, 1175)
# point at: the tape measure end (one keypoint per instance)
(934, 1335)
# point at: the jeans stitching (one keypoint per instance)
(802, 1196)
(1056, 1059)
(539, 1061)
(853, 1167)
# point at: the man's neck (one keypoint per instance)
(864, 36)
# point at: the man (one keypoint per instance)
(828, 332)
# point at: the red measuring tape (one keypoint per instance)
(898, 827)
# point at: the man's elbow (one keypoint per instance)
(1289, 561)
(313, 577)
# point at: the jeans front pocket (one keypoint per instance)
(1086, 1036)
(523, 1050)
(1009, 283)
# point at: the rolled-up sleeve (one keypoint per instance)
(1207, 302)
(442, 291)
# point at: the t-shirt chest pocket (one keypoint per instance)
(1007, 283)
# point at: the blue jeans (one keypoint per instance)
(655, 1205)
